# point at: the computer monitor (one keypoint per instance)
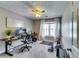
(20, 31)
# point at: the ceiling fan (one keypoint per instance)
(37, 10)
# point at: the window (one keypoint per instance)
(45, 29)
(52, 29)
(48, 29)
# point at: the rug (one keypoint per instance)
(47, 43)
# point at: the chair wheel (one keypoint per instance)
(28, 49)
(21, 49)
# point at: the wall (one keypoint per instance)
(67, 27)
(36, 27)
(5, 13)
(70, 14)
(75, 47)
(13, 16)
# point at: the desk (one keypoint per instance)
(6, 45)
(6, 49)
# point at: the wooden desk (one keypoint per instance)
(6, 45)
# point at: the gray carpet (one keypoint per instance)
(37, 51)
(47, 43)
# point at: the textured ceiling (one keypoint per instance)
(52, 8)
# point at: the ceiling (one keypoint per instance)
(52, 8)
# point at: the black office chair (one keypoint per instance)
(25, 40)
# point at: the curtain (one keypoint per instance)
(47, 28)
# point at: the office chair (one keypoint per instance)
(25, 40)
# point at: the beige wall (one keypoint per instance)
(75, 47)
(67, 27)
(36, 26)
(77, 20)
(27, 23)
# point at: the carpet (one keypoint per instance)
(47, 43)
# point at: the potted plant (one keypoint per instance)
(8, 32)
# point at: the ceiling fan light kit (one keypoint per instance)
(38, 11)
